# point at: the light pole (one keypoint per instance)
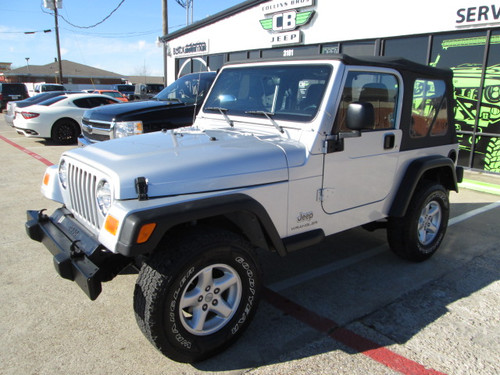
(164, 44)
(28, 64)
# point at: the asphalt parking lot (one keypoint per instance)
(348, 306)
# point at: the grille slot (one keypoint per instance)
(82, 187)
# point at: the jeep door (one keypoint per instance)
(360, 169)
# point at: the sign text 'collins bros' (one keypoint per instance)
(284, 20)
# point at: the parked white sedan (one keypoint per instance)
(58, 118)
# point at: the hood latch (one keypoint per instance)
(141, 186)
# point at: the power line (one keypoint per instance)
(91, 26)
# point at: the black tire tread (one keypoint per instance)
(400, 240)
(156, 273)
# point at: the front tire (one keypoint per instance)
(196, 297)
(418, 234)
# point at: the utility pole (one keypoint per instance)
(53, 5)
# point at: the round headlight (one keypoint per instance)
(103, 196)
(63, 173)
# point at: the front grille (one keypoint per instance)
(94, 136)
(82, 187)
(101, 125)
(96, 130)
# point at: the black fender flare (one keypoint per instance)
(427, 167)
(243, 211)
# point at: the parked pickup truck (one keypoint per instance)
(282, 154)
(174, 107)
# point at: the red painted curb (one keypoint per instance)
(26, 151)
(354, 341)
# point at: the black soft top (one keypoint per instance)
(397, 63)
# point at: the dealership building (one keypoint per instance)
(463, 35)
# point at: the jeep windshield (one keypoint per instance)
(278, 92)
(188, 89)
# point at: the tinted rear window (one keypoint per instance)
(13, 89)
(53, 88)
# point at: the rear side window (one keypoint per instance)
(429, 109)
(82, 103)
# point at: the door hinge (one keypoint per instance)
(324, 194)
(319, 195)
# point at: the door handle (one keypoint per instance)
(389, 141)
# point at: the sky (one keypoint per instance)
(125, 43)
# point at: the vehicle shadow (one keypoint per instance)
(388, 296)
(50, 142)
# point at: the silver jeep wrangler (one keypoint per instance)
(281, 155)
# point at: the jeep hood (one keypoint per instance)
(191, 161)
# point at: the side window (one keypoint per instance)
(429, 109)
(82, 103)
(379, 89)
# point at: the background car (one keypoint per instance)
(12, 106)
(58, 118)
(45, 87)
(148, 90)
(174, 107)
(10, 92)
(113, 93)
(127, 90)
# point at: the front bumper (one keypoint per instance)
(83, 141)
(78, 256)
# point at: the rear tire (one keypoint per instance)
(65, 132)
(417, 235)
(194, 298)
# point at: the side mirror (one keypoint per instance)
(360, 116)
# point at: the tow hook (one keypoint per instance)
(75, 251)
(42, 217)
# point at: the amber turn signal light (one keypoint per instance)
(111, 225)
(145, 232)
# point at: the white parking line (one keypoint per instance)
(472, 213)
(335, 266)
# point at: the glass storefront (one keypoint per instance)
(474, 58)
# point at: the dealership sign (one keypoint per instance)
(190, 49)
(478, 15)
(284, 18)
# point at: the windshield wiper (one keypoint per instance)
(268, 115)
(167, 100)
(223, 113)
